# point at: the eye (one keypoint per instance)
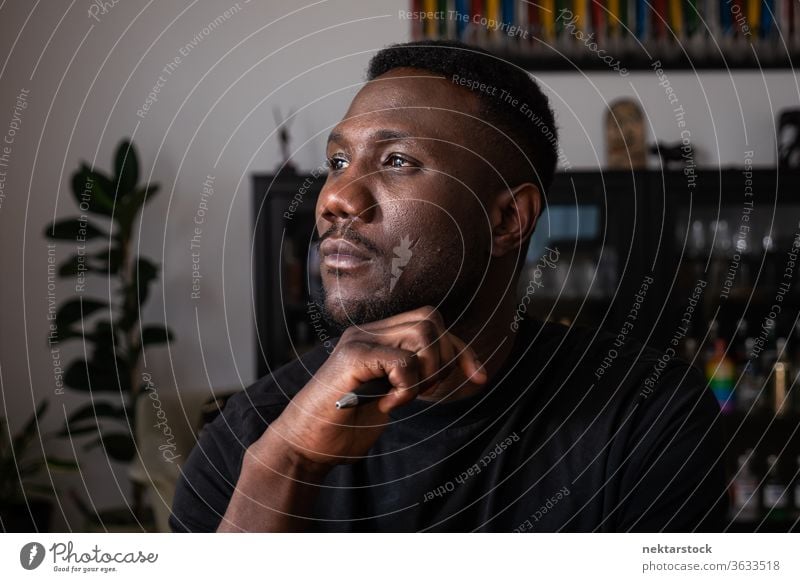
(398, 161)
(337, 162)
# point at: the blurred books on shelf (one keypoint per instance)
(618, 34)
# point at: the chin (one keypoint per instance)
(342, 310)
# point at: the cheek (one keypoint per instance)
(434, 236)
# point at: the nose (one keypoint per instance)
(346, 200)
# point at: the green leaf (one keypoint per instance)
(24, 437)
(71, 311)
(101, 409)
(62, 464)
(70, 228)
(93, 191)
(104, 334)
(118, 446)
(65, 333)
(126, 166)
(128, 208)
(72, 431)
(156, 334)
(109, 260)
(69, 268)
(97, 376)
(146, 273)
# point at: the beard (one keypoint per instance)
(449, 285)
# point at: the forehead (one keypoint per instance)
(415, 100)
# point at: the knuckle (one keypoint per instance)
(427, 311)
(426, 330)
(436, 317)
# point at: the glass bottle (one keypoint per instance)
(749, 396)
(796, 489)
(775, 494)
(744, 506)
(780, 380)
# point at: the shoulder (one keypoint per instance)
(602, 355)
(612, 371)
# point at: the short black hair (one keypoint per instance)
(530, 122)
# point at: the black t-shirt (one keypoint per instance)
(580, 431)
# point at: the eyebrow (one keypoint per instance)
(378, 135)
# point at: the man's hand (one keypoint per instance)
(280, 471)
(412, 349)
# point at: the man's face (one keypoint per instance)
(401, 216)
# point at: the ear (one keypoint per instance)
(514, 214)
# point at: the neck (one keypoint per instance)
(486, 328)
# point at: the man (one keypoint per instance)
(437, 175)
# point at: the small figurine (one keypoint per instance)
(625, 135)
(286, 166)
(789, 139)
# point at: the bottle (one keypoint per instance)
(689, 352)
(744, 506)
(720, 375)
(780, 379)
(739, 344)
(749, 397)
(775, 493)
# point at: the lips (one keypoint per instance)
(341, 254)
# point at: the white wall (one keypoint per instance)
(84, 95)
(87, 79)
(727, 113)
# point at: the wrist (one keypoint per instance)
(272, 454)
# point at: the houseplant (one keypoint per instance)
(25, 498)
(110, 328)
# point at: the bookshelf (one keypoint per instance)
(619, 35)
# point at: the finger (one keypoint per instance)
(468, 360)
(421, 337)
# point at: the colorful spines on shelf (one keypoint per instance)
(658, 18)
(725, 17)
(613, 20)
(692, 18)
(767, 18)
(598, 16)
(547, 12)
(508, 11)
(581, 16)
(676, 18)
(430, 28)
(703, 28)
(642, 11)
(462, 18)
